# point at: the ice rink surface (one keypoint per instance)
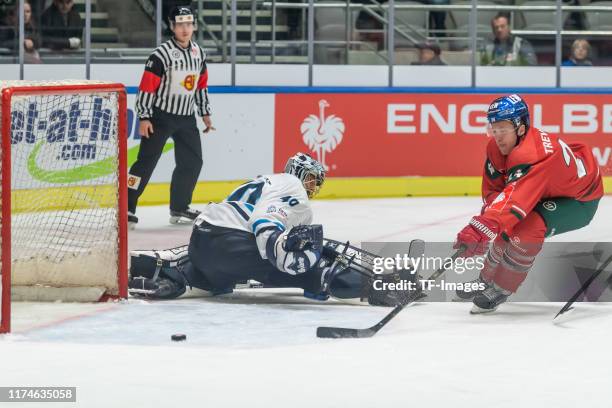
(257, 347)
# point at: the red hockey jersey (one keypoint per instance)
(541, 166)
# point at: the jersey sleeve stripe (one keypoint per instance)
(149, 82)
(239, 210)
(516, 214)
(203, 80)
(265, 222)
(519, 210)
(264, 229)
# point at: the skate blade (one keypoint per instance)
(178, 220)
(131, 226)
(479, 310)
(460, 300)
(140, 292)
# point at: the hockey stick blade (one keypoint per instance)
(343, 333)
(568, 306)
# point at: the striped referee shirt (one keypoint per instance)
(174, 78)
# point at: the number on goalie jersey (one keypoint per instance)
(262, 231)
(262, 206)
(251, 234)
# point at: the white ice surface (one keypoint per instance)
(257, 348)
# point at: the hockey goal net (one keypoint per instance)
(63, 224)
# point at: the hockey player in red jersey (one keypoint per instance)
(534, 186)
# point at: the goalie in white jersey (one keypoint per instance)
(271, 205)
(261, 232)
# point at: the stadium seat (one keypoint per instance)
(539, 20)
(412, 21)
(461, 18)
(457, 57)
(330, 25)
(459, 44)
(600, 20)
(406, 57)
(366, 57)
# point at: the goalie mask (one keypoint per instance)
(181, 14)
(310, 172)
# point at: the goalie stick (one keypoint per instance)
(361, 261)
(343, 332)
(568, 306)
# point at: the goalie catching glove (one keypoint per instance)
(297, 250)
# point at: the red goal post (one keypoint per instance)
(63, 224)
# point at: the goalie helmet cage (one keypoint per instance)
(63, 222)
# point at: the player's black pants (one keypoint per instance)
(187, 155)
(226, 256)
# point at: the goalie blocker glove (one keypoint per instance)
(295, 251)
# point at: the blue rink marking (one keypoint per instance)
(390, 90)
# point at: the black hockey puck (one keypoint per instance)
(178, 337)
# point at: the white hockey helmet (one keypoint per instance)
(301, 166)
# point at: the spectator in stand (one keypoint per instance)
(62, 27)
(580, 54)
(507, 49)
(294, 21)
(9, 33)
(576, 20)
(429, 54)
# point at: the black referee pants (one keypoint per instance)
(187, 155)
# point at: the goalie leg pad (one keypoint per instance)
(347, 284)
(147, 262)
(338, 277)
(164, 274)
(354, 276)
(160, 288)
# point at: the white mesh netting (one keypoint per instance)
(64, 210)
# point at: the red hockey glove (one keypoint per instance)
(476, 236)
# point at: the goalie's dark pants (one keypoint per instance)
(187, 155)
(226, 256)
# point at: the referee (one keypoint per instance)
(175, 78)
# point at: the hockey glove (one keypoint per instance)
(303, 237)
(476, 236)
(297, 250)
